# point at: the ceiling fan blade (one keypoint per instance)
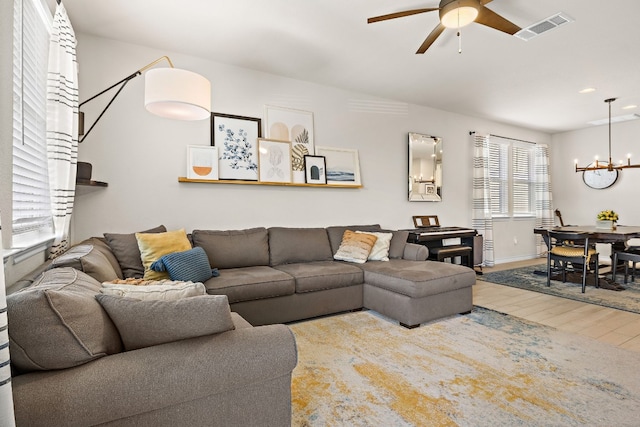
(493, 20)
(399, 15)
(483, 2)
(431, 38)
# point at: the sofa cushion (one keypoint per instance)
(417, 279)
(234, 248)
(293, 245)
(147, 323)
(166, 290)
(125, 249)
(355, 247)
(100, 244)
(154, 246)
(322, 275)
(250, 283)
(336, 232)
(398, 242)
(57, 323)
(380, 250)
(88, 260)
(187, 266)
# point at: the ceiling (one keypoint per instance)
(532, 83)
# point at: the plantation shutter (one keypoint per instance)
(499, 178)
(31, 201)
(523, 181)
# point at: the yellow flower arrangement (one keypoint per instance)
(608, 215)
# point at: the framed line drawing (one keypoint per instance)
(275, 160)
(202, 162)
(315, 170)
(287, 124)
(236, 138)
(343, 166)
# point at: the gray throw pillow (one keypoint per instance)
(56, 323)
(88, 260)
(125, 248)
(148, 323)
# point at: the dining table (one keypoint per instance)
(619, 234)
(616, 236)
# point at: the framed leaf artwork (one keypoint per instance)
(236, 138)
(275, 160)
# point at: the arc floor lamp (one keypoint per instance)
(169, 92)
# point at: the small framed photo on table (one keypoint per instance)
(202, 162)
(315, 170)
(274, 160)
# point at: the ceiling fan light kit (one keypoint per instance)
(458, 13)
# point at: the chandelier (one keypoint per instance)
(597, 165)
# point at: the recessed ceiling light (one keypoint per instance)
(629, 107)
(587, 90)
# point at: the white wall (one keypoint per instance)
(142, 156)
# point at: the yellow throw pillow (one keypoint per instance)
(155, 245)
(355, 247)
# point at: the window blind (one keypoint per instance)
(31, 201)
(523, 180)
(499, 178)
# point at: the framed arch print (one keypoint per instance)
(315, 170)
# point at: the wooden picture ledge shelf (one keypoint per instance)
(281, 184)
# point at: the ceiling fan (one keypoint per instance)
(456, 14)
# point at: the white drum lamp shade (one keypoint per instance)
(177, 94)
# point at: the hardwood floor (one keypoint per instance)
(616, 327)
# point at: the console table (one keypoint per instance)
(433, 238)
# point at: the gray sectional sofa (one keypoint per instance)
(280, 274)
(240, 376)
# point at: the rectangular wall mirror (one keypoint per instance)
(425, 168)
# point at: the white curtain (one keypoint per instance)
(6, 397)
(62, 124)
(482, 219)
(544, 200)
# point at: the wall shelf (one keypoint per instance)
(281, 184)
(85, 187)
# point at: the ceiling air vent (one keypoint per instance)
(543, 26)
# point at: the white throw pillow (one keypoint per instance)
(167, 291)
(380, 250)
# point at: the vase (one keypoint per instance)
(605, 224)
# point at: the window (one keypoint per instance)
(31, 211)
(511, 167)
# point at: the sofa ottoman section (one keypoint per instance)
(250, 283)
(417, 292)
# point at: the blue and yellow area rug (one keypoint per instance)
(530, 278)
(481, 369)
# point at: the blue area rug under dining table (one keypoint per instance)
(530, 278)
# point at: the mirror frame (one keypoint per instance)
(423, 189)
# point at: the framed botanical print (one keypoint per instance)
(202, 162)
(274, 160)
(236, 138)
(315, 170)
(287, 124)
(343, 166)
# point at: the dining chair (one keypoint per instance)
(570, 251)
(630, 254)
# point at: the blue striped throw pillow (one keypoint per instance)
(187, 266)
